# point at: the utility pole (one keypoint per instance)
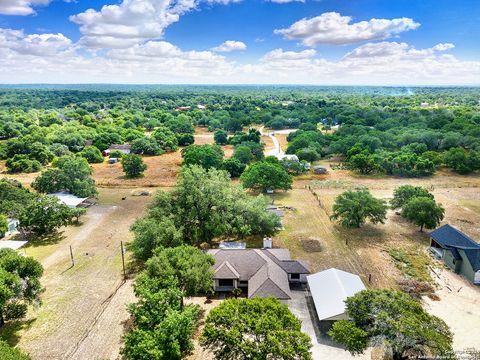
(71, 256)
(123, 261)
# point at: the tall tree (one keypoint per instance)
(403, 194)
(258, 328)
(265, 176)
(354, 208)
(424, 212)
(206, 156)
(19, 284)
(133, 165)
(396, 320)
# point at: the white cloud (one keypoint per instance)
(52, 58)
(230, 45)
(280, 55)
(20, 7)
(36, 44)
(132, 21)
(333, 28)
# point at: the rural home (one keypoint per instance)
(329, 289)
(124, 148)
(291, 157)
(258, 272)
(458, 252)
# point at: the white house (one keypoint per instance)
(70, 200)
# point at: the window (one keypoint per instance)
(225, 282)
(295, 276)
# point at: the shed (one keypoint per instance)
(70, 200)
(329, 289)
(318, 169)
(112, 160)
(124, 148)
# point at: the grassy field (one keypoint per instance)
(83, 311)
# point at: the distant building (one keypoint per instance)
(112, 160)
(201, 107)
(183, 108)
(329, 289)
(458, 252)
(320, 170)
(123, 148)
(258, 272)
(291, 157)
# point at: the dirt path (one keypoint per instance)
(84, 307)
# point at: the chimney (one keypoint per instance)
(267, 243)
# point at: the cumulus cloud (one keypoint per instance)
(20, 7)
(333, 28)
(53, 58)
(230, 45)
(132, 21)
(35, 44)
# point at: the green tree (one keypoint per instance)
(266, 176)
(9, 353)
(14, 197)
(3, 225)
(72, 174)
(403, 194)
(395, 319)
(424, 212)
(353, 208)
(153, 233)
(133, 165)
(92, 154)
(185, 266)
(44, 215)
(165, 138)
(206, 156)
(22, 163)
(220, 137)
(364, 162)
(258, 328)
(203, 205)
(19, 284)
(462, 161)
(234, 167)
(243, 154)
(146, 146)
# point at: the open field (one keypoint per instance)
(364, 251)
(83, 310)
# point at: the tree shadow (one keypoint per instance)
(42, 240)
(10, 331)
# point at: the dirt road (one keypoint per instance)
(84, 306)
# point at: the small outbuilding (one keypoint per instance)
(329, 289)
(12, 244)
(123, 148)
(71, 200)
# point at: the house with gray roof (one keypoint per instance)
(458, 251)
(258, 272)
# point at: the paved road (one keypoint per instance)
(277, 150)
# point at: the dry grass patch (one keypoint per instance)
(311, 245)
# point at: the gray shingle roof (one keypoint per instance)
(266, 274)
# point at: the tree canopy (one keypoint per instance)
(257, 328)
(203, 206)
(394, 319)
(353, 208)
(266, 175)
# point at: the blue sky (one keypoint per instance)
(441, 35)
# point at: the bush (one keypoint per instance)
(133, 165)
(9, 353)
(185, 139)
(92, 154)
(21, 163)
(234, 167)
(220, 137)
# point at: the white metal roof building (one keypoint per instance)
(68, 199)
(12, 244)
(330, 289)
